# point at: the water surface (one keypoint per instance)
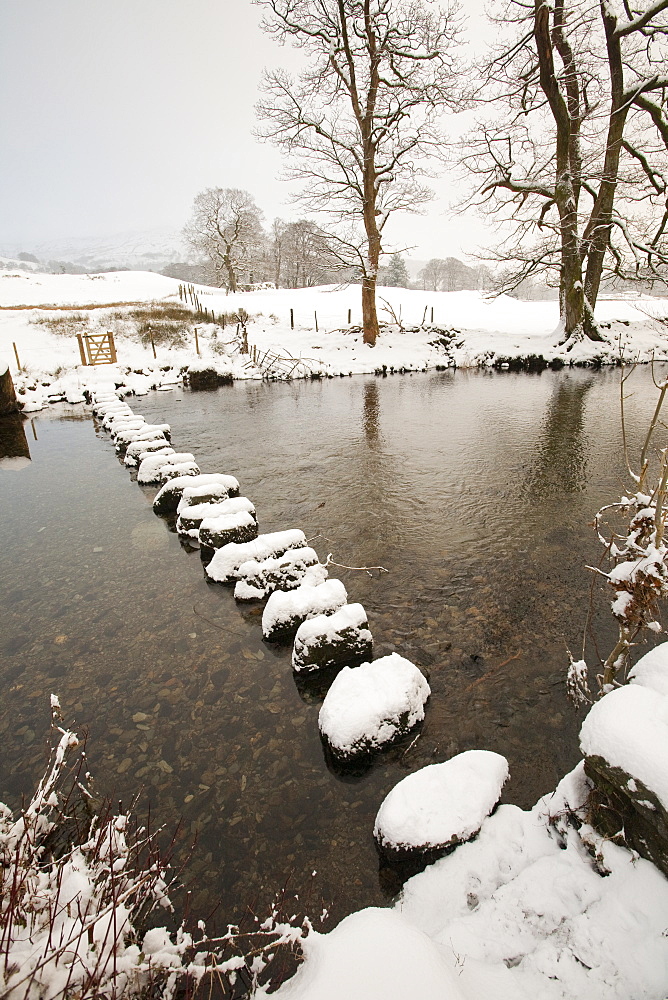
(475, 490)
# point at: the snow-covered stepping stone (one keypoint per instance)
(193, 496)
(190, 519)
(341, 639)
(154, 468)
(177, 466)
(371, 705)
(168, 498)
(441, 805)
(286, 610)
(224, 567)
(145, 433)
(296, 566)
(136, 449)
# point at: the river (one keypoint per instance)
(475, 490)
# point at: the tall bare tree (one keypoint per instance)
(578, 162)
(359, 121)
(226, 228)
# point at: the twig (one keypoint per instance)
(363, 569)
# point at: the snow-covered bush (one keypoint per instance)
(77, 889)
(633, 532)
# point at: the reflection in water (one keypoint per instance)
(14, 449)
(371, 413)
(99, 604)
(559, 464)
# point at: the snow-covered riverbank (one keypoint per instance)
(309, 326)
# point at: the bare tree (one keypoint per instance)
(226, 228)
(578, 163)
(360, 119)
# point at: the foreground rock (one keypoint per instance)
(286, 610)
(625, 742)
(168, 498)
(369, 706)
(337, 640)
(259, 579)
(224, 567)
(441, 805)
(159, 468)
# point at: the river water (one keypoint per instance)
(475, 490)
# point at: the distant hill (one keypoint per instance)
(136, 250)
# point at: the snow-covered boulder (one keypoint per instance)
(168, 498)
(185, 466)
(224, 567)
(193, 496)
(134, 451)
(286, 610)
(625, 742)
(341, 639)
(191, 517)
(296, 566)
(155, 468)
(373, 954)
(651, 670)
(371, 705)
(146, 433)
(441, 805)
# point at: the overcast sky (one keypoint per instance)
(114, 115)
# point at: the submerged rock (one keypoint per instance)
(371, 705)
(168, 498)
(336, 640)
(441, 805)
(286, 610)
(258, 579)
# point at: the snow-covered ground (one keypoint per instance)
(483, 330)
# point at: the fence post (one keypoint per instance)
(112, 347)
(316, 320)
(153, 346)
(17, 356)
(349, 314)
(432, 314)
(196, 342)
(292, 320)
(81, 349)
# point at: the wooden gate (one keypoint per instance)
(97, 348)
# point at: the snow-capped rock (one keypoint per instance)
(286, 610)
(224, 567)
(442, 804)
(340, 639)
(296, 566)
(168, 498)
(369, 706)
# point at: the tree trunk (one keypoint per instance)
(231, 276)
(369, 316)
(8, 402)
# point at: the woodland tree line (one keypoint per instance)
(569, 149)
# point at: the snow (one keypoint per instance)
(372, 955)
(519, 913)
(483, 330)
(224, 566)
(629, 729)
(651, 670)
(286, 610)
(443, 803)
(370, 705)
